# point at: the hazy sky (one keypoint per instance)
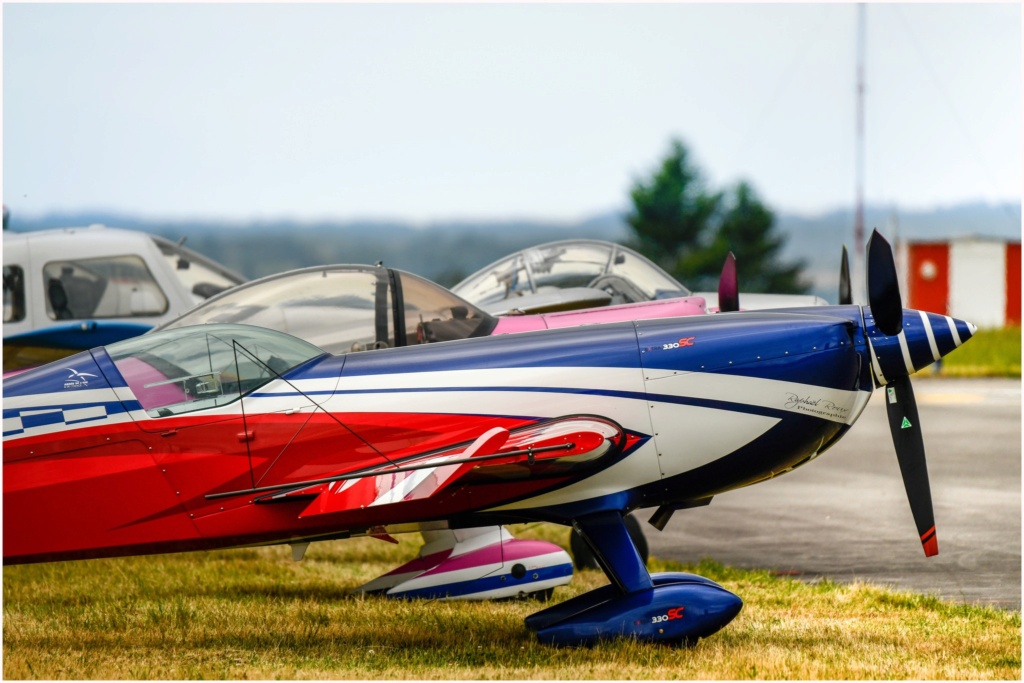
(428, 112)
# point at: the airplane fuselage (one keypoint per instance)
(705, 405)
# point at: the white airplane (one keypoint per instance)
(71, 289)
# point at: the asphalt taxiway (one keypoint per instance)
(845, 516)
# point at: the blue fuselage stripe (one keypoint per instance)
(634, 395)
(111, 407)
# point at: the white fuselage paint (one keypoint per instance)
(686, 436)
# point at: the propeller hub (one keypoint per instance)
(924, 338)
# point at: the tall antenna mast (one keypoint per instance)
(858, 220)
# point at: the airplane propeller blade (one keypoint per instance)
(883, 286)
(845, 290)
(905, 426)
(904, 422)
(728, 286)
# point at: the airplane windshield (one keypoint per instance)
(201, 276)
(194, 368)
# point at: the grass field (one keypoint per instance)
(254, 613)
(989, 353)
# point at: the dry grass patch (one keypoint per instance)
(256, 614)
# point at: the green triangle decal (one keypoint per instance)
(906, 424)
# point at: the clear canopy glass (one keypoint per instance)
(621, 272)
(194, 368)
(346, 308)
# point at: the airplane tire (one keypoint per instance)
(582, 558)
(543, 595)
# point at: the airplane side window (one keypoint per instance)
(14, 294)
(434, 314)
(108, 287)
(644, 276)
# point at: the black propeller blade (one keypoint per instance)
(728, 286)
(845, 290)
(905, 426)
(904, 422)
(883, 286)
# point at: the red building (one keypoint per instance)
(972, 278)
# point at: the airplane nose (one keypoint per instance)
(923, 339)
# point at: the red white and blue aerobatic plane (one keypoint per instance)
(225, 435)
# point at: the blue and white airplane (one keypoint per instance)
(227, 435)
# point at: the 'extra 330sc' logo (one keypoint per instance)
(77, 380)
(674, 613)
(685, 341)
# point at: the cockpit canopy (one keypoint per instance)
(345, 308)
(194, 368)
(621, 273)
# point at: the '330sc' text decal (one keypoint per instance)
(685, 341)
(674, 613)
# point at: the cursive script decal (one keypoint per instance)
(816, 406)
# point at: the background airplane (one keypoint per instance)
(585, 273)
(75, 288)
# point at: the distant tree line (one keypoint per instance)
(675, 219)
(443, 252)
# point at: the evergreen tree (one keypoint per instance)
(746, 227)
(671, 211)
(688, 230)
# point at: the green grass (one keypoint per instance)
(253, 613)
(989, 353)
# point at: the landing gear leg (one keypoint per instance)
(583, 558)
(667, 608)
